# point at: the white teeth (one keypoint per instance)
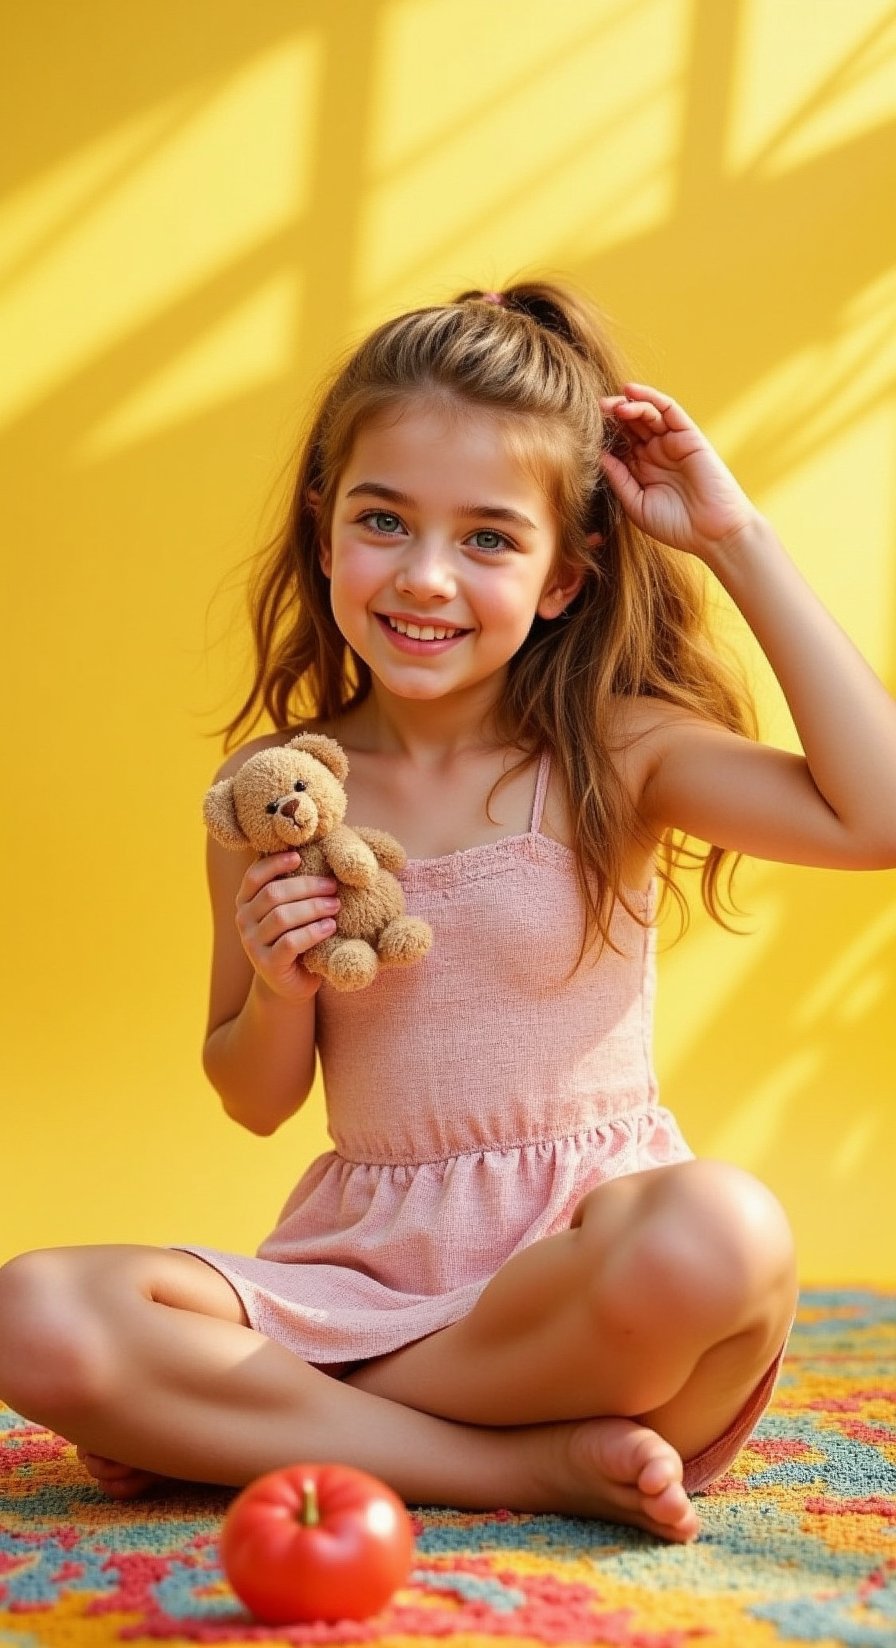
(426, 632)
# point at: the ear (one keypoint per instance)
(559, 591)
(220, 815)
(325, 750)
(315, 501)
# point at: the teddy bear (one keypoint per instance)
(293, 795)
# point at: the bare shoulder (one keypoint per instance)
(634, 731)
(640, 728)
(631, 728)
(640, 734)
(637, 718)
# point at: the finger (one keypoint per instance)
(298, 940)
(675, 416)
(629, 491)
(266, 869)
(631, 407)
(287, 918)
(636, 421)
(282, 888)
(642, 422)
(277, 964)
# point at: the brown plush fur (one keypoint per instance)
(293, 796)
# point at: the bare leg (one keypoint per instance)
(143, 1356)
(666, 1302)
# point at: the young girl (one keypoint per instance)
(510, 1283)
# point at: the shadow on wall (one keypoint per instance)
(787, 1069)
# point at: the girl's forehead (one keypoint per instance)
(431, 451)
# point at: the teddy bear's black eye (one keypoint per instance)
(271, 807)
(300, 786)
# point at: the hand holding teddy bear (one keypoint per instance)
(292, 796)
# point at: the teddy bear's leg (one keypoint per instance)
(345, 963)
(404, 940)
(317, 959)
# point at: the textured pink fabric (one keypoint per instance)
(472, 1101)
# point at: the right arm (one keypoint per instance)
(259, 1051)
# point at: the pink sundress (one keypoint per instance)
(472, 1101)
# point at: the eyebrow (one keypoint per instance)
(495, 512)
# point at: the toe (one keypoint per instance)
(116, 1480)
(631, 1453)
(661, 1470)
(129, 1487)
(643, 1477)
(671, 1506)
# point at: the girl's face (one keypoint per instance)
(441, 551)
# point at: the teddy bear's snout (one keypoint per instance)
(300, 811)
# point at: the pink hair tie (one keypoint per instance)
(493, 297)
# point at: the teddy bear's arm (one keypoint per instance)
(386, 850)
(350, 858)
(313, 861)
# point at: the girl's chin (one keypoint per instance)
(482, 693)
(417, 691)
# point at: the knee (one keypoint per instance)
(51, 1359)
(745, 1235)
(706, 1246)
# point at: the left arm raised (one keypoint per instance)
(834, 807)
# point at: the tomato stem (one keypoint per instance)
(310, 1507)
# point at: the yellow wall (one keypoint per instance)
(206, 201)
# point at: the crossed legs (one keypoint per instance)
(667, 1299)
(145, 1356)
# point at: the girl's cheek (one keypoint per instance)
(357, 564)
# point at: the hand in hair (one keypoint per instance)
(670, 481)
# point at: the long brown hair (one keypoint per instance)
(540, 357)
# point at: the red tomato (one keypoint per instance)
(316, 1542)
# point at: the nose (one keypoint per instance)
(427, 571)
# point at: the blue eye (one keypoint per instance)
(387, 525)
(374, 519)
(498, 540)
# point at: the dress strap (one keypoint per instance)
(541, 790)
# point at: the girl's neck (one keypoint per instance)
(427, 733)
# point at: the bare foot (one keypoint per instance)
(619, 1471)
(117, 1480)
(614, 1470)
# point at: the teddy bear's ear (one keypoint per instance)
(220, 815)
(325, 750)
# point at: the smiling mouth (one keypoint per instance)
(422, 632)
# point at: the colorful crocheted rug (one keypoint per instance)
(798, 1541)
